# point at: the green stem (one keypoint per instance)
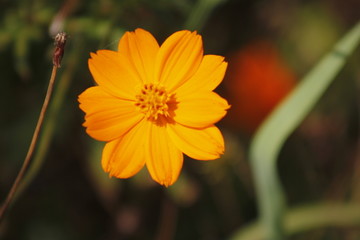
(306, 218)
(271, 136)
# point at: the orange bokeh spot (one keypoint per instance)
(256, 80)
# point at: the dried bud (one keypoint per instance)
(60, 41)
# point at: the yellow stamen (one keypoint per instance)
(153, 101)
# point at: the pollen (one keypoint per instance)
(153, 101)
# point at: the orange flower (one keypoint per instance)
(152, 104)
(256, 81)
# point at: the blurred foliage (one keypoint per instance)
(70, 197)
(282, 122)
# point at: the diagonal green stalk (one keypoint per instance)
(269, 139)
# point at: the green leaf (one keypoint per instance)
(308, 217)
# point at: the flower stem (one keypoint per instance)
(31, 147)
(60, 41)
(307, 217)
(272, 134)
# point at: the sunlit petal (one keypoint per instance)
(178, 59)
(113, 72)
(200, 144)
(200, 110)
(125, 156)
(141, 48)
(165, 160)
(208, 76)
(107, 117)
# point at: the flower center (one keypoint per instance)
(153, 101)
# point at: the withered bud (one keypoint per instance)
(60, 41)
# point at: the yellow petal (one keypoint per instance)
(165, 159)
(141, 48)
(113, 72)
(178, 59)
(200, 144)
(107, 117)
(209, 75)
(125, 156)
(200, 110)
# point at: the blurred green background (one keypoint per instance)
(269, 45)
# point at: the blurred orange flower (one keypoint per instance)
(256, 80)
(152, 104)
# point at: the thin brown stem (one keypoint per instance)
(30, 152)
(60, 41)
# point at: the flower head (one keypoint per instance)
(153, 103)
